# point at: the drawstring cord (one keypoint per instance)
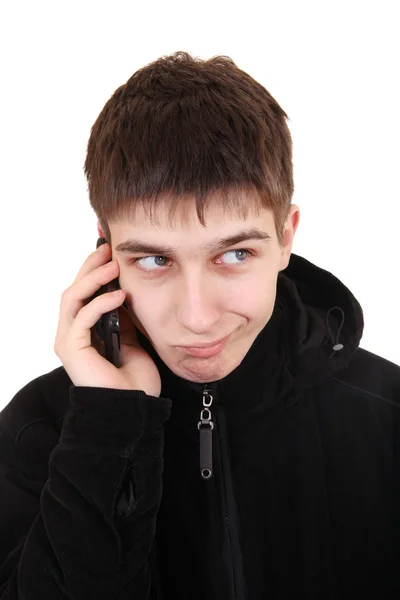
(336, 345)
(41, 420)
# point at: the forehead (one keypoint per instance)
(186, 235)
(182, 217)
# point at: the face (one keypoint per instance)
(194, 295)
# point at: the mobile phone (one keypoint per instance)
(107, 327)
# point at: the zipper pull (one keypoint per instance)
(205, 427)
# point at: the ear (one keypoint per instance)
(292, 223)
(99, 230)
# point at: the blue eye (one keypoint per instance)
(240, 250)
(143, 258)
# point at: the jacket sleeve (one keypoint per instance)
(92, 534)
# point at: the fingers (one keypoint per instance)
(88, 316)
(75, 298)
(99, 257)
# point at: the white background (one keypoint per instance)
(332, 66)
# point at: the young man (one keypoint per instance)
(266, 466)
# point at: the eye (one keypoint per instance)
(242, 250)
(141, 260)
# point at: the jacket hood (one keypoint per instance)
(314, 330)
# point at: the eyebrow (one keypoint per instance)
(136, 246)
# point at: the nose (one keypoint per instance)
(197, 306)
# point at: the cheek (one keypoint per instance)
(150, 308)
(253, 298)
(245, 296)
(145, 305)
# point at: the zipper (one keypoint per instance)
(205, 426)
(156, 592)
(232, 542)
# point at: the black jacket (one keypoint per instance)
(101, 494)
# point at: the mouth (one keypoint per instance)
(205, 351)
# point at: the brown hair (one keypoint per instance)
(182, 127)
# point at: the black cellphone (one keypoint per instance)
(107, 327)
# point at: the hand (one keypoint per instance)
(73, 343)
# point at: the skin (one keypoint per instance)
(198, 298)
